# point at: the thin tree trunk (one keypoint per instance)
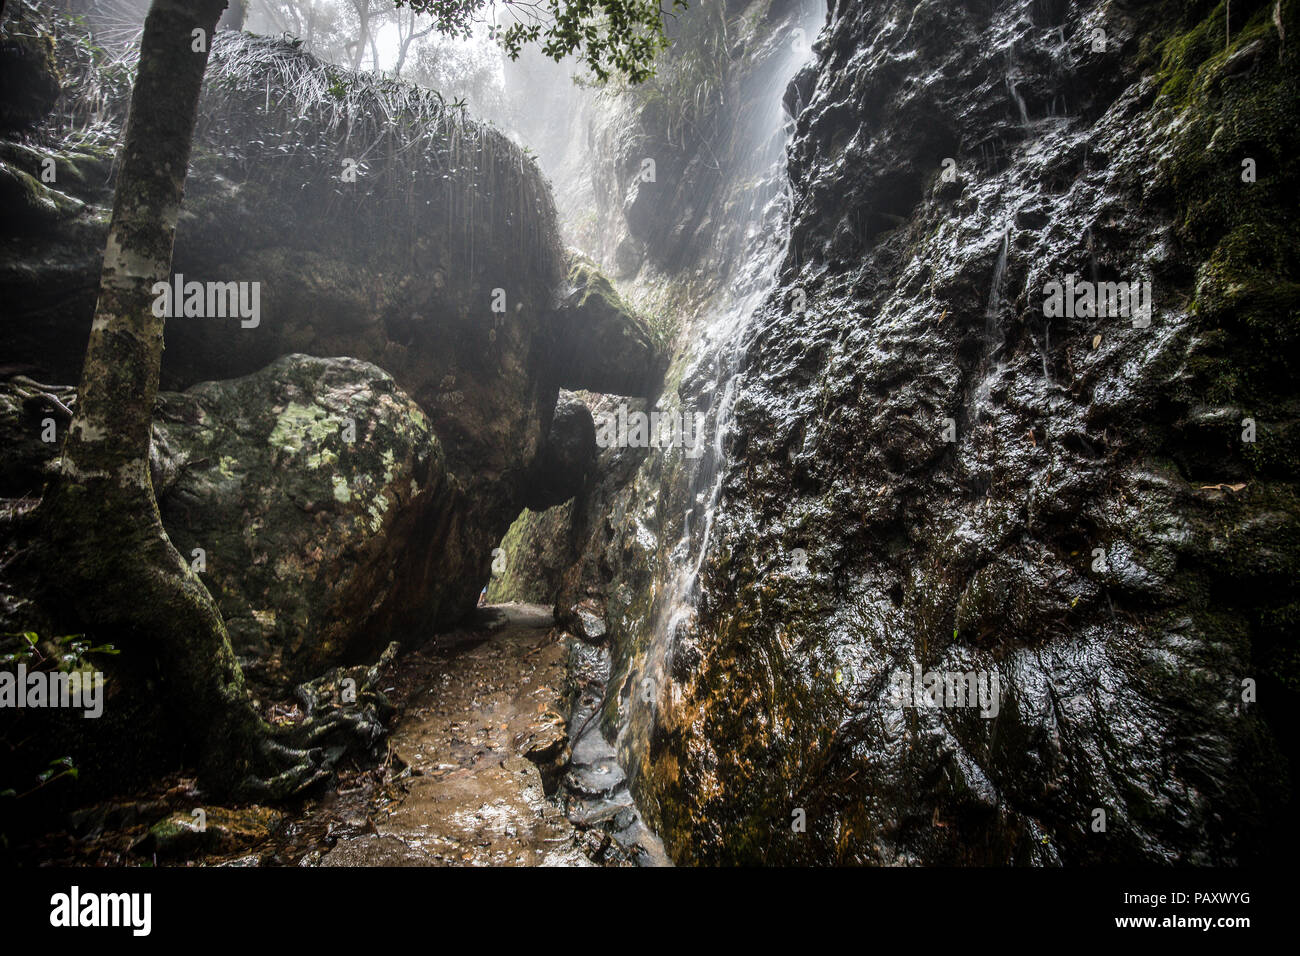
(109, 555)
(311, 25)
(363, 32)
(406, 40)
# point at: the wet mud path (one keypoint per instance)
(480, 771)
(482, 742)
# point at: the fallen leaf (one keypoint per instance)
(1096, 341)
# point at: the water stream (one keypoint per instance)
(709, 387)
(994, 339)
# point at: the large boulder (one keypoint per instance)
(569, 458)
(321, 501)
(312, 498)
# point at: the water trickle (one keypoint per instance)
(994, 340)
(995, 289)
(1014, 89)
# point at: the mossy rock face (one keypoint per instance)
(81, 174)
(541, 543)
(29, 203)
(315, 496)
(1098, 532)
(607, 347)
(1233, 83)
(1233, 171)
(29, 79)
(534, 555)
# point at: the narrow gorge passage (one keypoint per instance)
(482, 743)
(638, 433)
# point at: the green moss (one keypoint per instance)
(534, 556)
(300, 423)
(1192, 58)
(25, 199)
(1234, 90)
(1275, 452)
(584, 275)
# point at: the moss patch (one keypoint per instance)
(1233, 174)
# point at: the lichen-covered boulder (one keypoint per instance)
(312, 498)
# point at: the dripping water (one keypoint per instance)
(1013, 88)
(1019, 100)
(994, 339)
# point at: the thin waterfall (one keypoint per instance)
(1019, 100)
(714, 376)
(994, 340)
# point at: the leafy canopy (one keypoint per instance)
(607, 36)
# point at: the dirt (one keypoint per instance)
(477, 755)
(473, 741)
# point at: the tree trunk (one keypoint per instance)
(406, 40)
(108, 555)
(311, 25)
(363, 32)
